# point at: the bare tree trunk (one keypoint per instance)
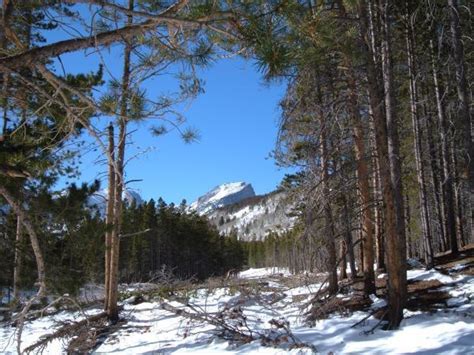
(417, 145)
(378, 215)
(395, 241)
(349, 245)
(435, 180)
(363, 175)
(329, 230)
(109, 214)
(408, 226)
(464, 115)
(119, 180)
(458, 200)
(446, 167)
(18, 259)
(343, 266)
(363, 186)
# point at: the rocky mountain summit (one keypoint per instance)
(234, 207)
(221, 196)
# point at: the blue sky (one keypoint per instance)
(237, 119)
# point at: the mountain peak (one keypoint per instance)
(222, 195)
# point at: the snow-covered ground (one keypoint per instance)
(263, 272)
(269, 296)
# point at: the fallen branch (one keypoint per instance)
(215, 320)
(66, 330)
(234, 326)
(365, 318)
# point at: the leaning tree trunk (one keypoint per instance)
(417, 143)
(464, 121)
(23, 215)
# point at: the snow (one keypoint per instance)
(428, 275)
(262, 272)
(38, 328)
(221, 196)
(226, 190)
(151, 329)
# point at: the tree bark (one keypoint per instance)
(408, 226)
(387, 148)
(395, 241)
(362, 172)
(343, 264)
(378, 210)
(363, 187)
(119, 179)
(109, 214)
(40, 54)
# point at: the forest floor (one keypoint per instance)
(269, 311)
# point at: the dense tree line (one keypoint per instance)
(158, 240)
(378, 117)
(185, 243)
(70, 237)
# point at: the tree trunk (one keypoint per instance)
(464, 121)
(349, 245)
(387, 149)
(378, 212)
(329, 230)
(18, 259)
(417, 145)
(343, 264)
(119, 180)
(446, 167)
(363, 186)
(408, 226)
(109, 214)
(395, 241)
(435, 178)
(23, 215)
(458, 200)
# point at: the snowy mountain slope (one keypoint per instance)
(222, 195)
(254, 218)
(235, 207)
(151, 329)
(99, 199)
